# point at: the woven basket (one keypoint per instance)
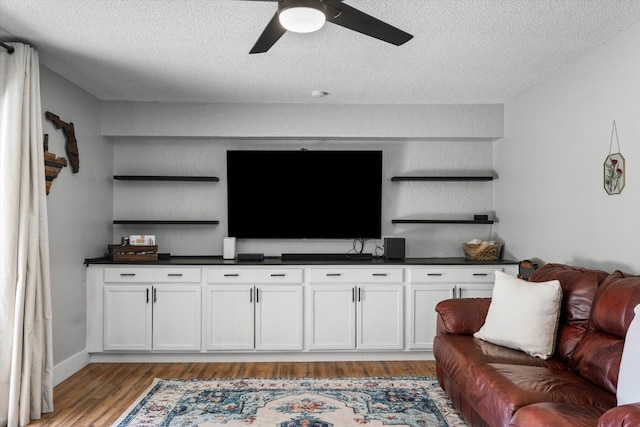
(482, 251)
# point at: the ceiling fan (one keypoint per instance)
(310, 15)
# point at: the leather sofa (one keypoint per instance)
(496, 386)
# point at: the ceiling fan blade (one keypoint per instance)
(353, 19)
(271, 34)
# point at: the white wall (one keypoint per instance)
(310, 121)
(79, 207)
(202, 156)
(550, 195)
(187, 139)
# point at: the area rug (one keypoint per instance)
(307, 402)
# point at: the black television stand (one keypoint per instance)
(327, 257)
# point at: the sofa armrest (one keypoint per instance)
(621, 416)
(461, 316)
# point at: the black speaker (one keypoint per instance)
(394, 248)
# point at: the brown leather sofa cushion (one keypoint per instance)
(598, 355)
(579, 287)
(462, 316)
(557, 415)
(597, 358)
(497, 391)
(621, 416)
(456, 353)
(614, 303)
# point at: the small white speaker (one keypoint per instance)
(229, 248)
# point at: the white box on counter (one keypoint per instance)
(142, 240)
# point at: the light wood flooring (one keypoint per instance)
(99, 393)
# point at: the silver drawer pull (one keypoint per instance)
(127, 274)
(480, 274)
(380, 274)
(334, 274)
(174, 274)
(231, 275)
(434, 274)
(278, 275)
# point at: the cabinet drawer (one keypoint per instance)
(360, 275)
(452, 275)
(152, 275)
(237, 275)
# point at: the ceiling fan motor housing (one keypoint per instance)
(302, 16)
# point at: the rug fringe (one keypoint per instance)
(138, 400)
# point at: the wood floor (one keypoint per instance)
(99, 393)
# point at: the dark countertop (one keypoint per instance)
(217, 260)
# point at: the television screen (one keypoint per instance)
(304, 194)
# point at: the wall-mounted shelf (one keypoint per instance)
(443, 178)
(162, 221)
(165, 178)
(477, 176)
(174, 178)
(440, 221)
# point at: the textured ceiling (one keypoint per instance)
(463, 51)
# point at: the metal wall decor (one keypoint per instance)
(614, 168)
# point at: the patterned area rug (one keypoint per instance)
(307, 402)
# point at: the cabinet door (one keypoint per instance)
(229, 317)
(475, 290)
(176, 317)
(380, 317)
(422, 314)
(127, 317)
(278, 317)
(332, 317)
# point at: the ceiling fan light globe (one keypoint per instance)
(302, 19)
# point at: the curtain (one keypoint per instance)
(26, 355)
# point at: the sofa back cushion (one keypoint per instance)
(579, 287)
(597, 357)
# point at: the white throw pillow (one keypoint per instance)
(523, 315)
(628, 390)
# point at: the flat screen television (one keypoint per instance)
(305, 194)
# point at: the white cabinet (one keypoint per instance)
(299, 309)
(253, 309)
(279, 323)
(176, 317)
(429, 286)
(380, 317)
(142, 316)
(228, 317)
(356, 309)
(332, 317)
(127, 318)
(422, 314)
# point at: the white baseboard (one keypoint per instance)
(66, 368)
(213, 357)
